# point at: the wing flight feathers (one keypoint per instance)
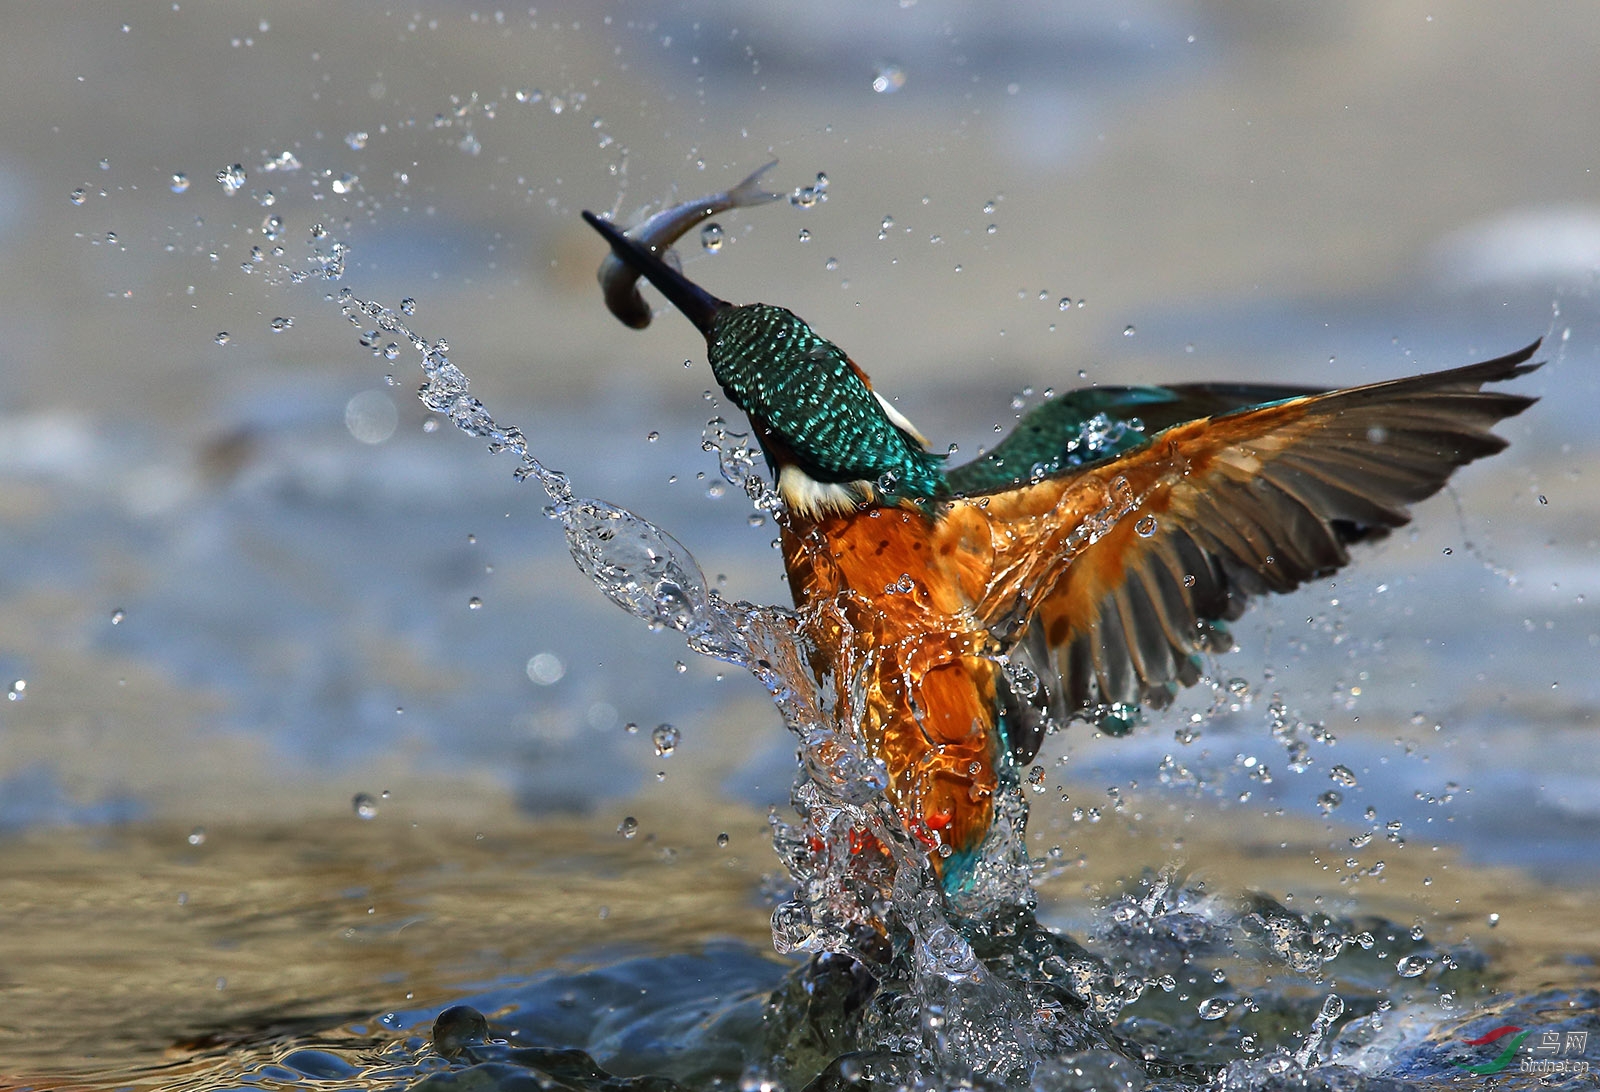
(1123, 570)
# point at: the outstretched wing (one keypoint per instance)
(1118, 571)
(1082, 427)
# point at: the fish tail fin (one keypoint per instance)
(749, 192)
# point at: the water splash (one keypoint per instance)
(971, 990)
(862, 885)
(857, 868)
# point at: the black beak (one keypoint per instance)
(697, 305)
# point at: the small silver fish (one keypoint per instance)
(660, 231)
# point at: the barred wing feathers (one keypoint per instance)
(1118, 571)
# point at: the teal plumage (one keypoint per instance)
(1083, 427)
(811, 402)
(815, 410)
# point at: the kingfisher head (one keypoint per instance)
(832, 442)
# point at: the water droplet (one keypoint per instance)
(1542, 499)
(831, 264)
(232, 179)
(18, 691)
(889, 79)
(1411, 966)
(546, 668)
(1128, 331)
(78, 196)
(180, 182)
(197, 836)
(711, 238)
(223, 337)
(1036, 778)
(1065, 304)
(457, 1028)
(665, 738)
(722, 840)
(949, 954)
(628, 827)
(1342, 775)
(280, 324)
(1214, 1008)
(474, 603)
(408, 306)
(272, 227)
(1330, 800)
(117, 616)
(805, 235)
(356, 140)
(345, 183)
(1145, 527)
(365, 807)
(1494, 920)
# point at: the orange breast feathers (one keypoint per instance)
(885, 597)
(903, 608)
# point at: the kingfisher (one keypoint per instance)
(1104, 544)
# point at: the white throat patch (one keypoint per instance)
(812, 499)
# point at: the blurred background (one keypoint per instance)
(267, 628)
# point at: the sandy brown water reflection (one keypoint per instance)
(133, 958)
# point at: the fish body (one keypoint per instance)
(620, 282)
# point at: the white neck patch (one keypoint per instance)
(807, 497)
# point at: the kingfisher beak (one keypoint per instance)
(697, 305)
